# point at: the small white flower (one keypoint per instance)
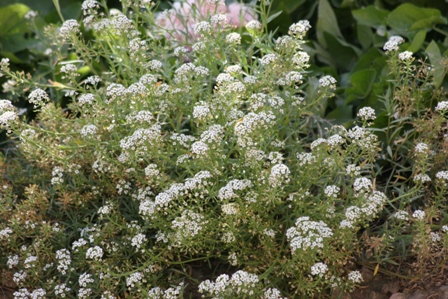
(406, 55)
(422, 148)
(319, 269)
(366, 113)
(299, 29)
(442, 106)
(355, 276)
(233, 38)
(393, 43)
(419, 214)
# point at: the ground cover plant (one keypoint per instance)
(193, 161)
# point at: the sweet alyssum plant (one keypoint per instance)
(186, 167)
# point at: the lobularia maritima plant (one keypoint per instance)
(190, 167)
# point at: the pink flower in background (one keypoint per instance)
(181, 19)
(240, 14)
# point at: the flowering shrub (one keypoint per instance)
(190, 167)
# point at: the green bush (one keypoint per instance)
(197, 162)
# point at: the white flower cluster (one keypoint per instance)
(299, 29)
(355, 277)
(268, 59)
(19, 277)
(192, 186)
(230, 209)
(114, 91)
(405, 56)
(61, 290)
(78, 243)
(421, 148)
(249, 124)
(64, 260)
(393, 43)
(219, 19)
(442, 106)
(201, 111)
(401, 215)
(70, 70)
(7, 113)
(134, 279)
(366, 113)
(203, 29)
(88, 130)
(170, 293)
(182, 139)
(253, 25)
(307, 234)
(319, 269)
(38, 97)
(328, 81)
(227, 192)
(442, 177)
(86, 98)
(306, 158)
(353, 170)
(89, 7)
(422, 177)
(233, 38)
(362, 137)
(84, 279)
(418, 214)
(68, 28)
(372, 206)
(188, 225)
(58, 173)
(332, 191)
(13, 260)
(279, 174)
(272, 293)
(94, 253)
(241, 283)
(362, 185)
(140, 137)
(31, 14)
(138, 240)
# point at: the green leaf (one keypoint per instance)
(58, 9)
(273, 16)
(370, 16)
(437, 61)
(364, 35)
(326, 22)
(292, 5)
(417, 41)
(371, 59)
(343, 54)
(12, 19)
(362, 83)
(342, 114)
(408, 18)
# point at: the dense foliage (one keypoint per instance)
(176, 157)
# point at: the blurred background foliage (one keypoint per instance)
(346, 42)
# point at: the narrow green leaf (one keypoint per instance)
(58, 9)
(273, 16)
